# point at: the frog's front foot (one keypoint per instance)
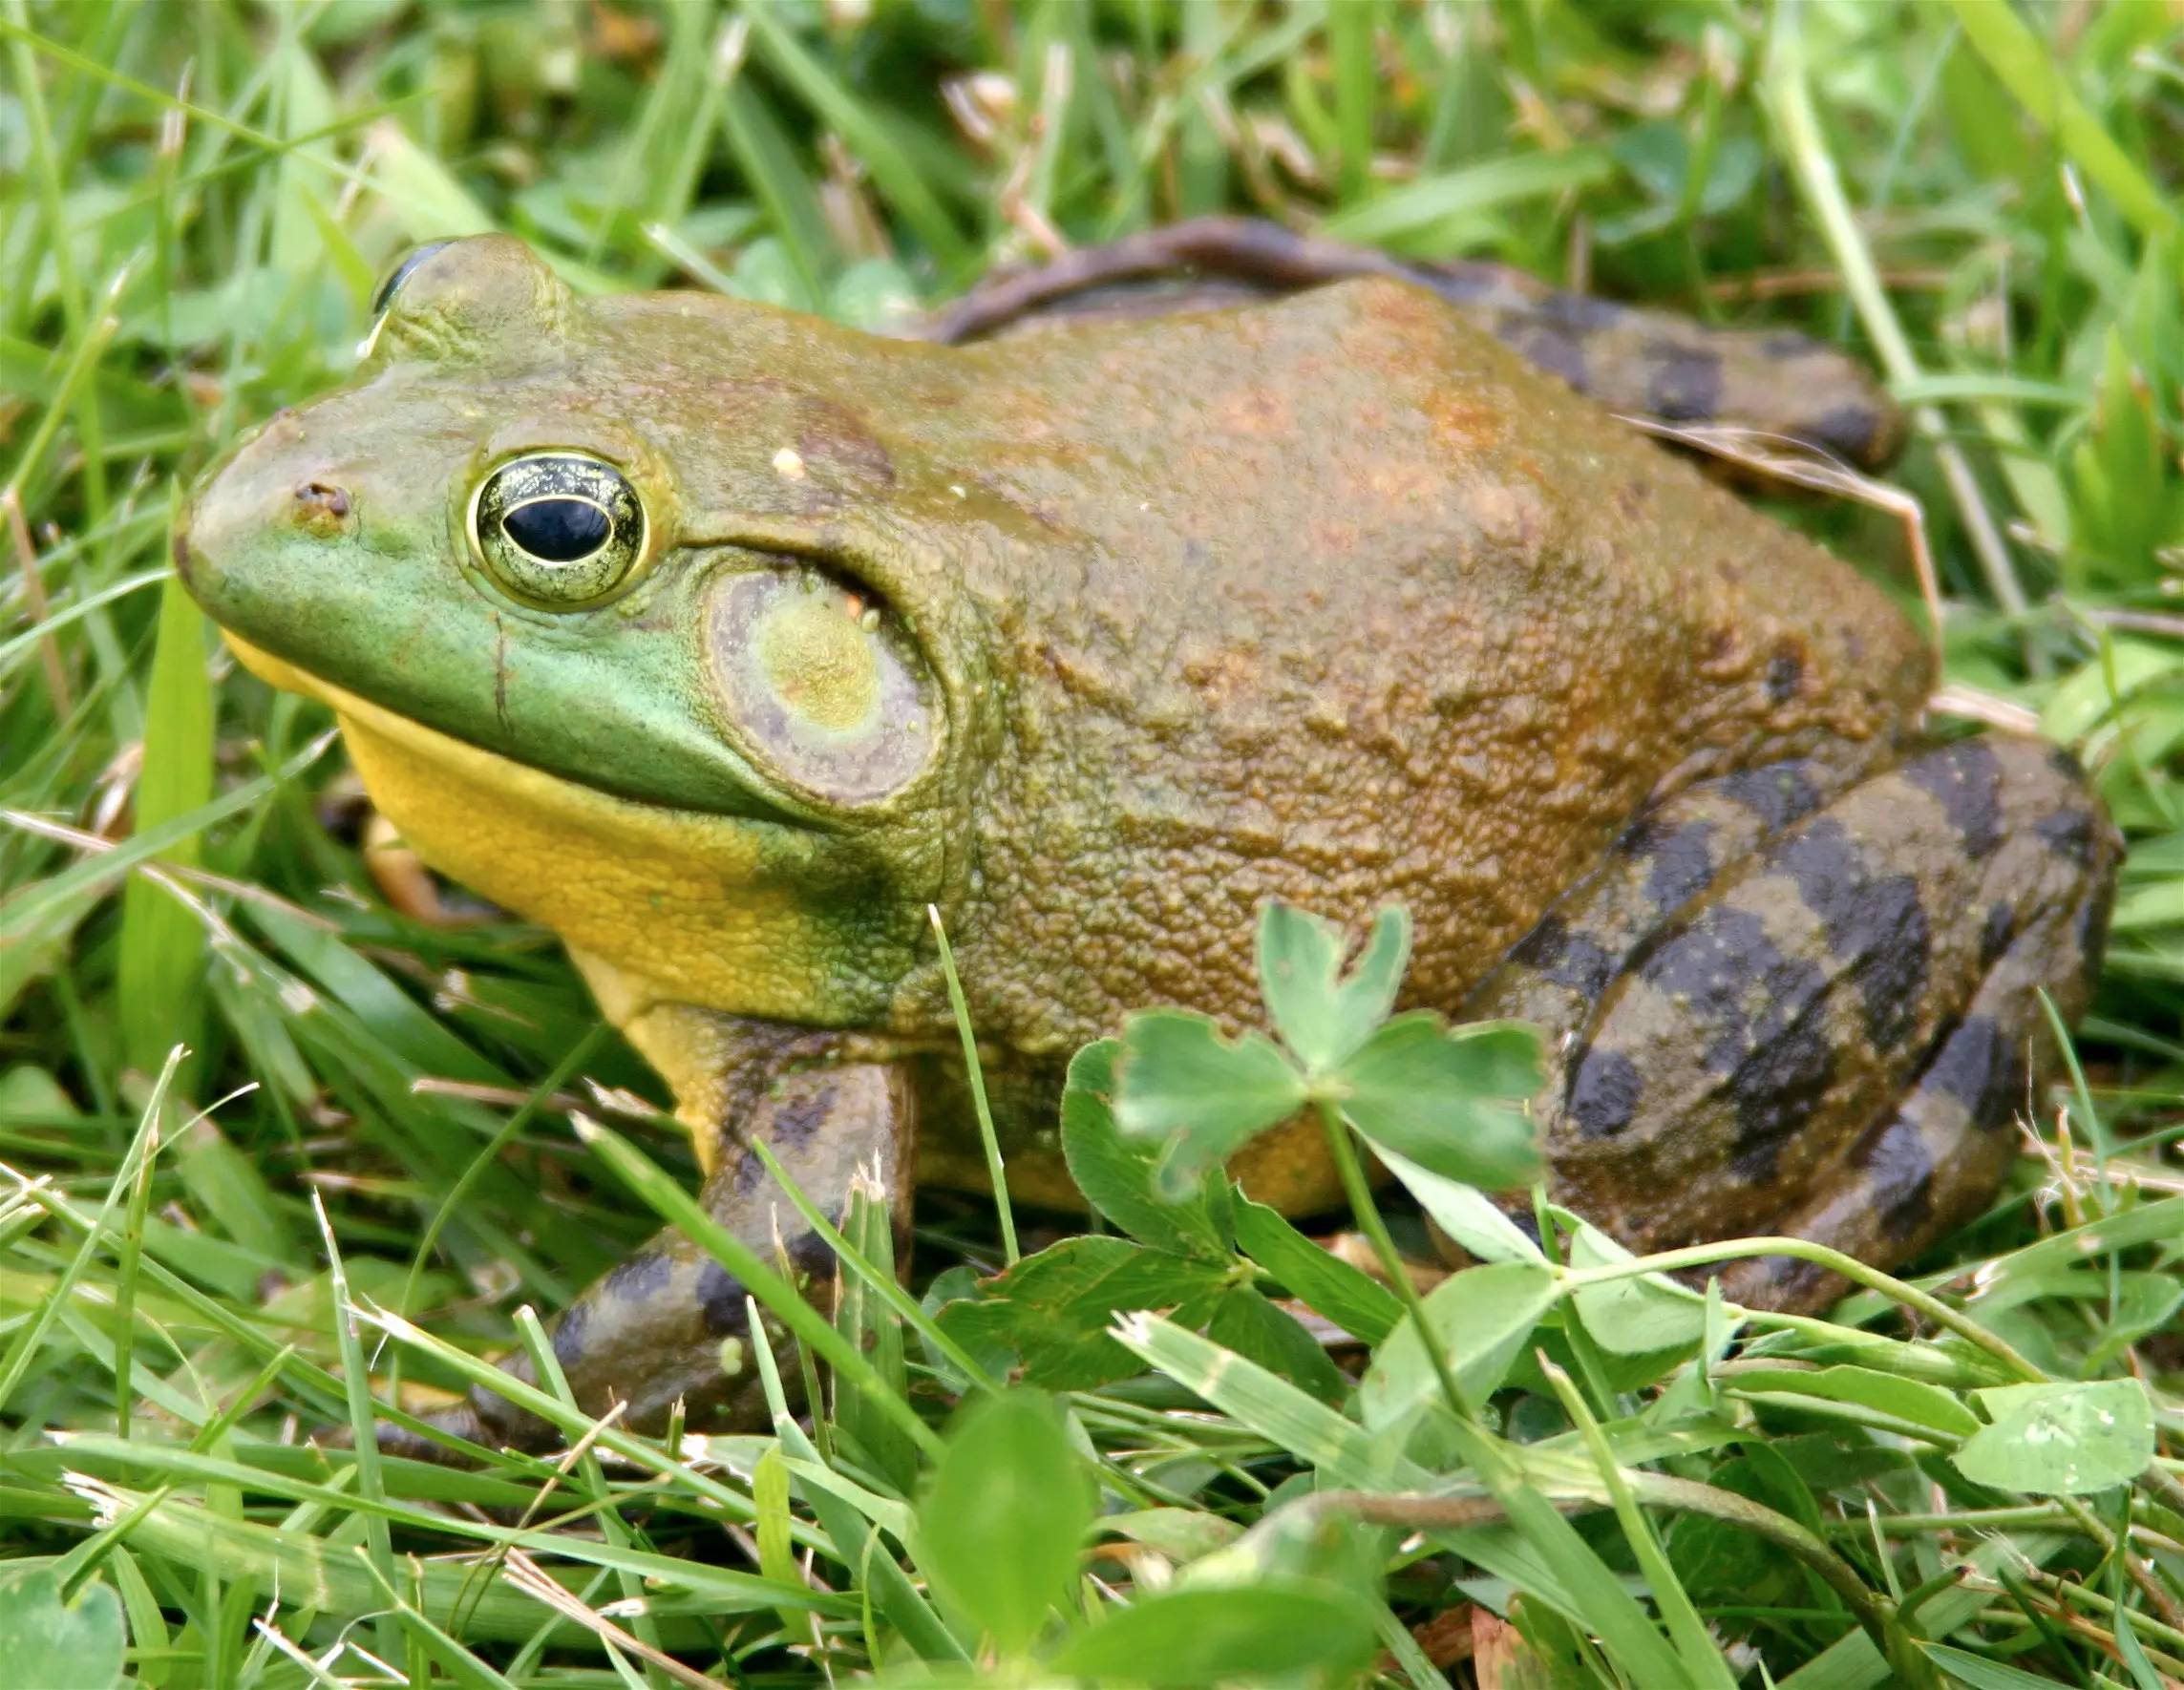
(1779, 1010)
(670, 1325)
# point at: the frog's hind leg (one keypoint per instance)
(670, 1324)
(1778, 1010)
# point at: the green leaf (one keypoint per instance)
(1465, 1213)
(1001, 1523)
(161, 963)
(1357, 1302)
(1635, 1316)
(1909, 1399)
(1116, 1174)
(1321, 1015)
(2060, 1440)
(1203, 1096)
(1982, 1674)
(1269, 1404)
(1279, 1630)
(57, 1645)
(1250, 1325)
(1181, 1534)
(1452, 1101)
(1482, 1315)
(1053, 1309)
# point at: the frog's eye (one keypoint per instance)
(560, 530)
(384, 295)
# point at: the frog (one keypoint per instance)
(747, 651)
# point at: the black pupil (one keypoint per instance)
(557, 530)
(400, 274)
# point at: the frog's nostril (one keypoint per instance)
(317, 497)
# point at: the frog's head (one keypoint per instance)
(616, 623)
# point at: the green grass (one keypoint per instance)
(196, 203)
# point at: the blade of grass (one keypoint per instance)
(976, 1074)
(679, 1209)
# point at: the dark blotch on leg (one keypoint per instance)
(721, 1297)
(1877, 923)
(1685, 385)
(1999, 929)
(1894, 1156)
(1775, 1089)
(1757, 1012)
(810, 1254)
(1567, 958)
(569, 1331)
(796, 1118)
(1551, 349)
(1679, 861)
(640, 1279)
(1778, 795)
(1605, 1087)
(1709, 964)
(2093, 930)
(2068, 834)
(1852, 430)
(1778, 1282)
(1965, 780)
(1977, 1064)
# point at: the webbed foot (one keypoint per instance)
(670, 1325)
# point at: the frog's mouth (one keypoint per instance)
(724, 912)
(391, 749)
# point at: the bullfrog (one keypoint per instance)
(733, 645)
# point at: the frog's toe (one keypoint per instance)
(669, 1329)
(1778, 1011)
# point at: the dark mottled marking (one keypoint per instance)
(1758, 1011)
(1852, 430)
(750, 1172)
(1789, 1281)
(1785, 674)
(1978, 1065)
(1567, 958)
(794, 1119)
(1586, 312)
(810, 1254)
(1895, 1154)
(2092, 927)
(1679, 860)
(637, 1280)
(2064, 761)
(722, 1299)
(1777, 1087)
(1965, 779)
(1875, 925)
(1717, 968)
(1778, 795)
(1604, 1092)
(1551, 349)
(569, 1331)
(2068, 834)
(1996, 933)
(1685, 385)
(1786, 344)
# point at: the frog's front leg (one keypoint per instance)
(670, 1324)
(1788, 1006)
